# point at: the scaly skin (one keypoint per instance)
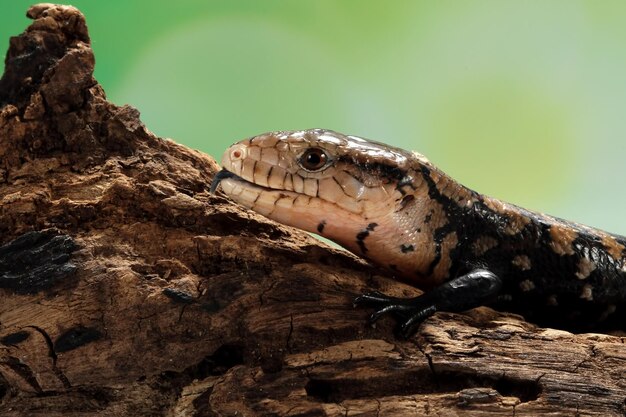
(397, 210)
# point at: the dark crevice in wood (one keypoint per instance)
(418, 382)
(36, 261)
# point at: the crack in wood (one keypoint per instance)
(52, 354)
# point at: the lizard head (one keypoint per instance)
(320, 181)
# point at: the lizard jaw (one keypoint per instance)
(299, 210)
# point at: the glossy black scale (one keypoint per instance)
(555, 298)
(547, 291)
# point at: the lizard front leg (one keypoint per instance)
(459, 294)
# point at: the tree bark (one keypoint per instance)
(127, 289)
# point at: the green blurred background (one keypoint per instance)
(524, 101)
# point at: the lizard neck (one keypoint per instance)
(418, 237)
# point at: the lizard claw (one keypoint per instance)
(410, 326)
(373, 299)
(410, 312)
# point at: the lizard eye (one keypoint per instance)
(313, 159)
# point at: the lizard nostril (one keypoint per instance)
(237, 154)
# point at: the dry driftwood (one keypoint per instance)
(126, 289)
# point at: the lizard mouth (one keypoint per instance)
(222, 175)
(225, 174)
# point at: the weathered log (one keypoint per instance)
(126, 289)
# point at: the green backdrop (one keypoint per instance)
(525, 101)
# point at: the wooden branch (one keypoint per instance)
(126, 289)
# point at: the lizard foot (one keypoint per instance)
(410, 312)
(459, 294)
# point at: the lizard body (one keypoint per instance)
(397, 210)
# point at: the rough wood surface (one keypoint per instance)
(126, 289)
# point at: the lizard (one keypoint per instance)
(398, 211)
